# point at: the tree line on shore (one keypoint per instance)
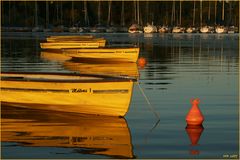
(118, 13)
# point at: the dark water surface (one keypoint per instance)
(179, 67)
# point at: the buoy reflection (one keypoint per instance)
(194, 134)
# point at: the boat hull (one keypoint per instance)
(104, 54)
(73, 44)
(99, 97)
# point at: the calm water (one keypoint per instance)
(179, 67)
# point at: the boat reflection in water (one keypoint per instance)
(87, 134)
(113, 69)
(55, 56)
(122, 69)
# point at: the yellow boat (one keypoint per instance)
(71, 38)
(112, 69)
(123, 54)
(95, 43)
(86, 134)
(89, 94)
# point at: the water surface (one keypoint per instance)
(179, 67)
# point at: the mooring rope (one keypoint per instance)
(149, 104)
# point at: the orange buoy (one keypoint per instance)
(194, 116)
(194, 133)
(142, 62)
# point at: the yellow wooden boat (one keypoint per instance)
(95, 43)
(71, 38)
(96, 135)
(89, 94)
(123, 54)
(112, 69)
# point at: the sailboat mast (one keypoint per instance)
(223, 10)
(86, 14)
(200, 12)
(194, 12)
(47, 14)
(138, 13)
(209, 7)
(72, 13)
(135, 10)
(61, 13)
(99, 11)
(122, 15)
(57, 12)
(215, 12)
(36, 14)
(173, 13)
(180, 10)
(147, 11)
(109, 12)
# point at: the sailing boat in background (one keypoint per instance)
(149, 28)
(220, 28)
(110, 28)
(165, 28)
(123, 28)
(205, 28)
(178, 28)
(98, 28)
(135, 27)
(193, 29)
(74, 28)
(85, 28)
(37, 28)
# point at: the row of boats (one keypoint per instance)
(134, 28)
(178, 29)
(98, 93)
(91, 48)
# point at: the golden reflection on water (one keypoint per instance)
(100, 135)
(97, 67)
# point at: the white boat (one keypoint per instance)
(67, 92)
(178, 29)
(150, 28)
(232, 29)
(163, 29)
(221, 29)
(73, 29)
(135, 28)
(192, 30)
(207, 29)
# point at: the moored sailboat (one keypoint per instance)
(221, 29)
(150, 28)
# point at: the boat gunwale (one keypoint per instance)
(102, 78)
(112, 47)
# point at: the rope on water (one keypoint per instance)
(149, 104)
